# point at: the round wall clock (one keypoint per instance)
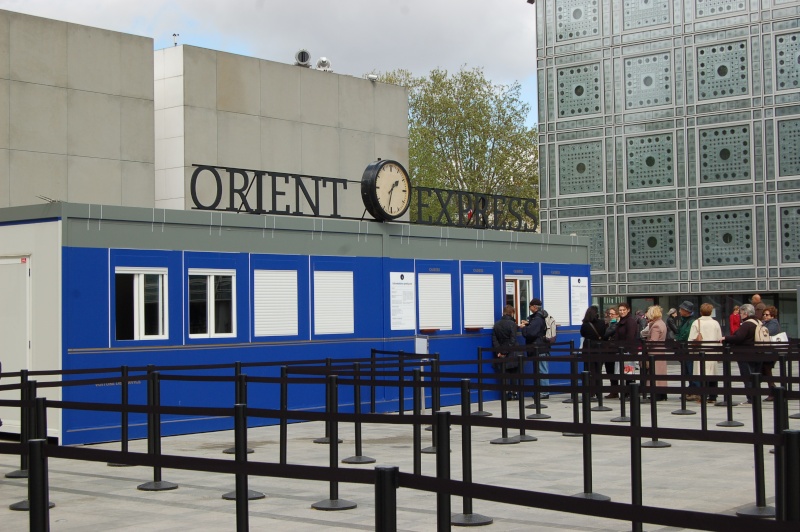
(386, 190)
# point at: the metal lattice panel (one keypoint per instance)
(643, 13)
(790, 228)
(710, 8)
(579, 90)
(649, 161)
(722, 70)
(577, 19)
(789, 147)
(651, 241)
(580, 167)
(724, 154)
(787, 51)
(648, 81)
(727, 238)
(595, 230)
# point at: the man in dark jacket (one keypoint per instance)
(626, 335)
(746, 336)
(504, 334)
(534, 329)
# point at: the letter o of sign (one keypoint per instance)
(218, 182)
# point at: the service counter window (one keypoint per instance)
(141, 303)
(478, 301)
(275, 303)
(212, 303)
(334, 309)
(435, 302)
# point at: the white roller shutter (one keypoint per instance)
(333, 302)
(435, 301)
(275, 302)
(555, 297)
(478, 300)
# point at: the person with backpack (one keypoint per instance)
(748, 334)
(534, 330)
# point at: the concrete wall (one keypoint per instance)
(76, 114)
(220, 109)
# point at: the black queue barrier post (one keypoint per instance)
(760, 509)
(654, 442)
(467, 518)
(38, 424)
(480, 411)
(241, 494)
(386, 484)
(373, 358)
(435, 390)
(791, 462)
(334, 503)
(586, 402)
(327, 439)
(780, 424)
(504, 439)
(789, 374)
(575, 408)
(704, 394)
(443, 516)
(154, 434)
(596, 385)
(358, 458)
(38, 488)
(728, 403)
(683, 411)
(401, 385)
(522, 437)
(124, 401)
(573, 374)
(537, 403)
(284, 421)
(240, 398)
(24, 426)
(623, 417)
(636, 455)
(417, 427)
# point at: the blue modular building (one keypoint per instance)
(93, 286)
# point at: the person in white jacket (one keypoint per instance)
(706, 329)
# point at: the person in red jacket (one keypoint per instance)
(735, 320)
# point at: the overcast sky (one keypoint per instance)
(357, 36)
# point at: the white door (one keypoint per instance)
(15, 329)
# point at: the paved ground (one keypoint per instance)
(701, 476)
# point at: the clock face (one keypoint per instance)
(386, 190)
(392, 190)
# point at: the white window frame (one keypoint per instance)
(138, 301)
(521, 306)
(210, 310)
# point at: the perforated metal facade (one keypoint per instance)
(670, 136)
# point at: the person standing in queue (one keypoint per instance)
(504, 334)
(655, 342)
(612, 317)
(533, 330)
(685, 321)
(734, 320)
(746, 336)
(626, 335)
(770, 319)
(592, 331)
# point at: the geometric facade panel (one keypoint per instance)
(727, 238)
(722, 70)
(709, 8)
(789, 147)
(595, 231)
(579, 90)
(787, 51)
(790, 228)
(642, 13)
(650, 161)
(577, 19)
(724, 154)
(651, 241)
(648, 81)
(580, 167)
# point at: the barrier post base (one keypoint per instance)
(537, 416)
(325, 440)
(683, 412)
(19, 473)
(160, 485)
(571, 434)
(525, 437)
(795, 416)
(25, 506)
(533, 405)
(330, 505)
(482, 413)
(359, 460)
(757, 511)
(655, 444)
(730, 423)
(251, 495)
(232, 450)
(470, 520)
(592, 496)
(620, 419)
(603, 408)
(504, 441)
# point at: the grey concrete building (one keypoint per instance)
(76, 114)
(669, 136)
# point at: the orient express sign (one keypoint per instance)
(265, 192)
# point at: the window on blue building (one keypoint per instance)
(212, 303)
(141, 303)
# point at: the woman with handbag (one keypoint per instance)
(706, 331)
(655, 342)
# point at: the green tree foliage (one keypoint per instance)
(466, 133)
